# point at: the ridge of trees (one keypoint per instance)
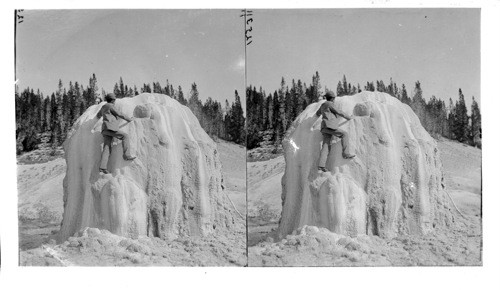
(270, 115)
(54, 115)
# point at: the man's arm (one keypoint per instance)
(116, 114)
(333, 110)
(318, 112)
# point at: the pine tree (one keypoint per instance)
(345, 88)
(396, 91)
(92, 92)
(340, 89)
(276, 117)
(381, 87)
(451, 120)
(222, 127)
(418, 103)
(207, 117)
(432, 109)
(475, 127)
(294, 104)
(238, 121)
(122, 89)
(64, 117)
(167, 89)
(70, 106)
(28, 105)
(53, 118)
(370, 87)
(146, 88)
(301, 97)
(47, 114)
(75, 102)
(40, 111)
(157, 88)
(270, 112)
(59, 126)
(404, 95)
(263, 118)
(18, 106)
(82, 108)
(194, 102)
(288, 108)
(282, 121)
(390, 88)
(316, 88)
(180, 97)
(253, 114)
(217, 119)
(227, 121)
(263, 110)
(443, 114)
(116, 90)
(460, 127)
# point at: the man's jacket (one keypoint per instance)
(110, 117)
(330, 116)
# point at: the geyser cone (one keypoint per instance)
(393, 186)
(172, 188)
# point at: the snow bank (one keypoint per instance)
(172, 189)
(393, 186)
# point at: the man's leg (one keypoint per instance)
(325, 149)
(125, 142)
(106, 152)
(344, 137)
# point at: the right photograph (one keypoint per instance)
(364, 137)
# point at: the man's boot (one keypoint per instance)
(322, 168)
(129, 158)
(348, 156)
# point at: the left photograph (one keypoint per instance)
(130, 133)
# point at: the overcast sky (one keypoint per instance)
(438, 47)
(183, 46)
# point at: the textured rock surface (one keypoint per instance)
(172, 189)
(312, 246)
(94, 247)
(394, 185)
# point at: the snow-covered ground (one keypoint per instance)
(458, 245)
(233, 161)
(264, 197)
(41, 208)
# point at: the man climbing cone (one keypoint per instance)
(111, 129)
(329, 128)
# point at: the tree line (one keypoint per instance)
(270, 115)
(53, 116)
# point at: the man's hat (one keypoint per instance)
(329, 95)
(110, 97)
